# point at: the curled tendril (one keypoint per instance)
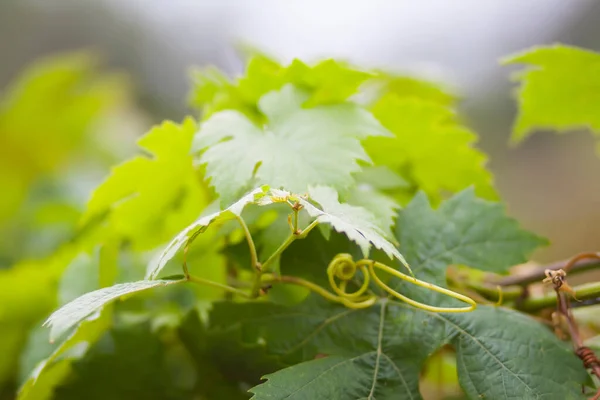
(343, 270)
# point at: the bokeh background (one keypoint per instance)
(549, 182)
(131, 67)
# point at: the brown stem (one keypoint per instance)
(587, 356)
(580, 263)
(587, 295)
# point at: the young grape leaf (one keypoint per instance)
(383, 348)
(328, 82)
(359, 224)
(410, 87)
(559, 90)
(297, 148)
(430, 147)
(200, 225)
(160, 194)
(74, 312)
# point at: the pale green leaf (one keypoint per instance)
(74, 312)
(560, 90)
(381, 177)
(430, 148)
(383, 207)
(359, 224)
(298, 147)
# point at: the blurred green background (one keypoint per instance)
(81, 81)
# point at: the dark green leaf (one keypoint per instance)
(383, 348)
(464, 230)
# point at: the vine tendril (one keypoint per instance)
(343, 270)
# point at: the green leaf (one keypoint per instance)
(128, 362)
(388, 353)
(559, 90)
(74, 312)
(297, 148)
(200, 226)
(326, 378)
(490, 344)
(222, 359)
(160, 194)
(464, 230)
(359, 224)
(430, 148)
(383, 348)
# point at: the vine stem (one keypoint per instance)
(206, 282)
(270, 278)
(252, 247)
(254, 264)
(590, 291)
(587, 356)
(558, 279)
(580, 263)
(290, 239)
(264, 267)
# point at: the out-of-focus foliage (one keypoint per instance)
(158, 194)
(328, 82)
(431, 148)
(559, 90)
(47, 116)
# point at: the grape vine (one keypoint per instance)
(310, 214)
